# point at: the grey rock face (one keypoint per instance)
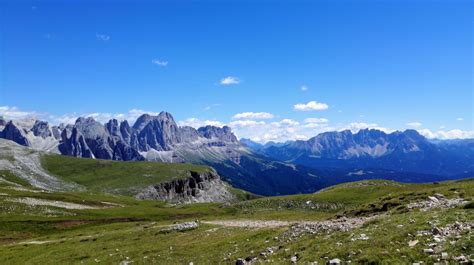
(189, 134)
(14, 133)
(75, 145)
(198, 187)
(56, 131)
(224, 134)
(88, 139)
(125, 131)
(158, 132)
(41, 128)
(125, 152)
(113, 128)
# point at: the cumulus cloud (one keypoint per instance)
(253, 115)
(229, 80)
(102, 37)
(414, 124)
(159, 62)
(312, 105)
(196, 123)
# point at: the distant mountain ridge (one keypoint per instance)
(406, 151)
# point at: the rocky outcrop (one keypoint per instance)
(198, 187)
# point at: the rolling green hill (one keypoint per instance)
(115, 176)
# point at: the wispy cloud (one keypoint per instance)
(316, 120)
(245, 123)
(209, 107)
(229, 80)
(304, 88)
(253, 115)
(102, 37)
(414, 124)
(159, 62)
(312, 105)
(459, 119)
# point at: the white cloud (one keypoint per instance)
(312, 105)
(459, 119)
(414, 124)
(451, 134)
(229, 80)
(304, 88)
(253, 115)
(196, 123)
(13, 113)
(245, 123)
(102, 37)
(159, 62)
(286, 122)
(316, 120)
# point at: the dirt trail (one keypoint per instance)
(341, 223)
(249, 223)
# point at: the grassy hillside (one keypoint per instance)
(115, 176)
(119, 228)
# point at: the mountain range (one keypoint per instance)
(270, 169)
(406, 151)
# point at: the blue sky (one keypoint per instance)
(382, 64)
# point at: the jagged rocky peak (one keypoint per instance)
(16, 133)
(112, 127)
(41, 129)
(125, 131)
(224, 134)
(88, 138)
(90, 128)
(156, 132)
